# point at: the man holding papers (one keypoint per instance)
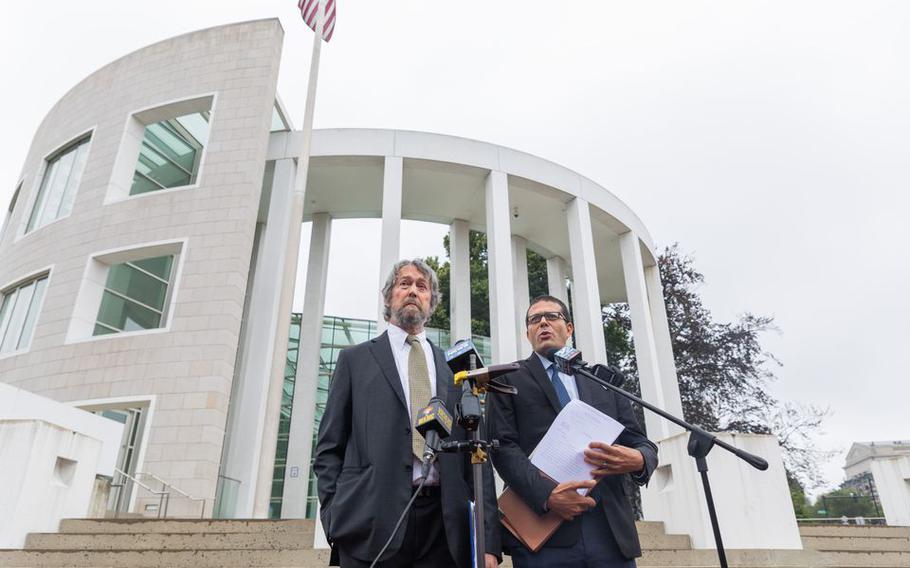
(599, 527)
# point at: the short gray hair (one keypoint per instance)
(424, 269)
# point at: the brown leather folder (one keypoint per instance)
(529, 528)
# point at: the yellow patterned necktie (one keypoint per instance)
(418, 389)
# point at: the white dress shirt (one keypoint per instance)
(401, 351)
(567, 380)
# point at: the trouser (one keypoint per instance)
(595, 548)
(424, 544)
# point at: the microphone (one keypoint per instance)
(433, 422)
(459, 356)
(485, 375)
(568, 360)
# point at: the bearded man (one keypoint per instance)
(367, 463)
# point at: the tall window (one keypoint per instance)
(58, 187)
(135, 296)
(170, 153)
(19, 312)
(9, 211)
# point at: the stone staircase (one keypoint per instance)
(127, 543)
(858, 546)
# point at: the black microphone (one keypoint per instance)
(433, 422)
(459, 356)
(568, 360)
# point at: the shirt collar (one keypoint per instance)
(399, 337)
(544, 361)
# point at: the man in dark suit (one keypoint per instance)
(367, 463)
(598, 529)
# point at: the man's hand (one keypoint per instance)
(613, 460)
(490, 561)
(566, 502)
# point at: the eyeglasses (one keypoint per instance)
(534, 319)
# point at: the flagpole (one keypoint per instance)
(289, 279)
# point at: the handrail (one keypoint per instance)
(120, 486)
(177, 490)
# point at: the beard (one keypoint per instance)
(410, 316)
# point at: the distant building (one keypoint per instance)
(881, 470)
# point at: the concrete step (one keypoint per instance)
(858, 543)
(863, 559)
(134, 526)
(292, 540)
(707, 558)
(170, 541)
(854, 530)
(172, 559)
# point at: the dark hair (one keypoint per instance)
(548, 298)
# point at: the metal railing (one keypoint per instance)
(844, 520)
(165, 485)
(164, 495)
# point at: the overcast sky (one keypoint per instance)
(770, 139)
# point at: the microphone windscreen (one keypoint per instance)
(459, 356)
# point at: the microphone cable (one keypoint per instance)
(400, 520)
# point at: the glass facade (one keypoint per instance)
(170, 153)
(19, 313)
(59, 184)
(135, 296)
(337, 333)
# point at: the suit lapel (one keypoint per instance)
(381, 348)
(584, 386)
(540, 375)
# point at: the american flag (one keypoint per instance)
(308, 11)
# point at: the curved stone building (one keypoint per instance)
(141, 260)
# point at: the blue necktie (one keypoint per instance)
(561, 393)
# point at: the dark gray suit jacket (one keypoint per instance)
(363, 459)
(519, 422)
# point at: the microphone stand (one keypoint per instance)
(470, 415)
(700, 444)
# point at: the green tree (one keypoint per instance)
(480, 286)
(723, 370)
(844, 502)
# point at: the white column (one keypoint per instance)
(499, 267)
(391, 225)
(522, 292)
(253, 417)
(669, 382)
(643, 334)
(589, 329)
(556, 278)
(459, 280)
(300, 439)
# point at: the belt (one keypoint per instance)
(433, 491)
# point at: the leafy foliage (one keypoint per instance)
(723, 370)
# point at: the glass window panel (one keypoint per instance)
(72, 182)
(101, 330)
(197, 125)
(170, 152)
(277, 122)
(124, 315)
(28, 328)
(160, 266)
(142, 184)
(17, 317)
(170, 144)
(136, 285)
(163, 172)
(59, 185)
(6, 307)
